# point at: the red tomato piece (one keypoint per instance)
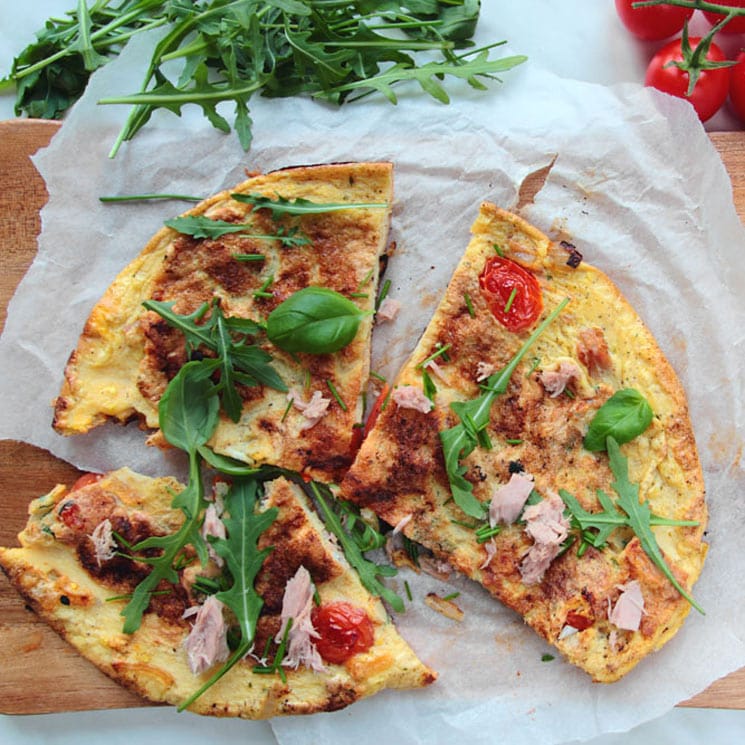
(737, 87)
(85, 480)
(344, 631)
(511, 292)
(711, 88)
(578, 621)
(71, 515)
(654, 22)
(736, 25)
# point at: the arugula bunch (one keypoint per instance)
(233, 49)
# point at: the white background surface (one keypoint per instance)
(575, 38)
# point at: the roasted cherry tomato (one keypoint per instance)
(344, 631)
(736, 25)
(711, 88)
(85, 480)
(654, 22)
(737, 87)
(511, 292)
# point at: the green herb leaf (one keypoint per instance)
(199, 226)
(367, 570)
(315, 320)
(462, 439)
(595, 528)
(238, 361)
(624, 416)
(282, 206)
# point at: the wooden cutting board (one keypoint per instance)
(40, 672)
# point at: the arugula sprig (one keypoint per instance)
(595, 528)
(462, 439)
(354, 539)
(188, 415)
(199, 226)
(227, 336)
(300, 206)
(243, 558)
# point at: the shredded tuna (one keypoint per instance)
(401, 524)
(104, 544)
(435, 567)
(207, 642)
(509, 499)
(297, 604)
(484, 370)
(212, 525)
(592, 350)
(411, 397)
(313, 410)
(546, 525)
(629, 608)
(556, 381)
(491, 549)
(437, 371)
(388, 310)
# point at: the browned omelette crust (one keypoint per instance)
(400, 469)
(126, 355)
(56, 572)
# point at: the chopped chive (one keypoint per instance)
(336, 395)
(569, 393)
(533, 365)
(428, 385)
(464, 524)
(359, 294)
(408, 591)
(365, 280)
(514, 441)
(441, 352)
(498, 250)
(249, 257)
(547, 657)
(144, 197)
(383, 293)
(316, 596)
(377, 376)
(286, 411)
(386, 399)
(469, 305)
(510, 300)
(484, 533)
(306, 381)
(452, 596)
(262, 291)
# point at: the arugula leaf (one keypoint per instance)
(624, 416)
(595, 528)
(300, 206)
(462, 439)
(315, 320)
(199, 226)
(188, 413)
(367, 570)
(243, 559)
(238, 361)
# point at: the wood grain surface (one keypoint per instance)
(40, 672)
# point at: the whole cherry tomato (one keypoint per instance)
(736, 25)
(654, 22)
(710, 90)
(511, 292)
(344, 630)
(737, 87)
(85, 480)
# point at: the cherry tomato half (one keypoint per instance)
(344, 631)
(654, 22)
(85, 480)
(737, 87)
(711, 88)
(736, 25)
(511, 292)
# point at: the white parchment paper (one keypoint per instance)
(636, 185)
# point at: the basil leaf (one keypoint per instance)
(315, 320)
(624, 416)
(189, 410)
